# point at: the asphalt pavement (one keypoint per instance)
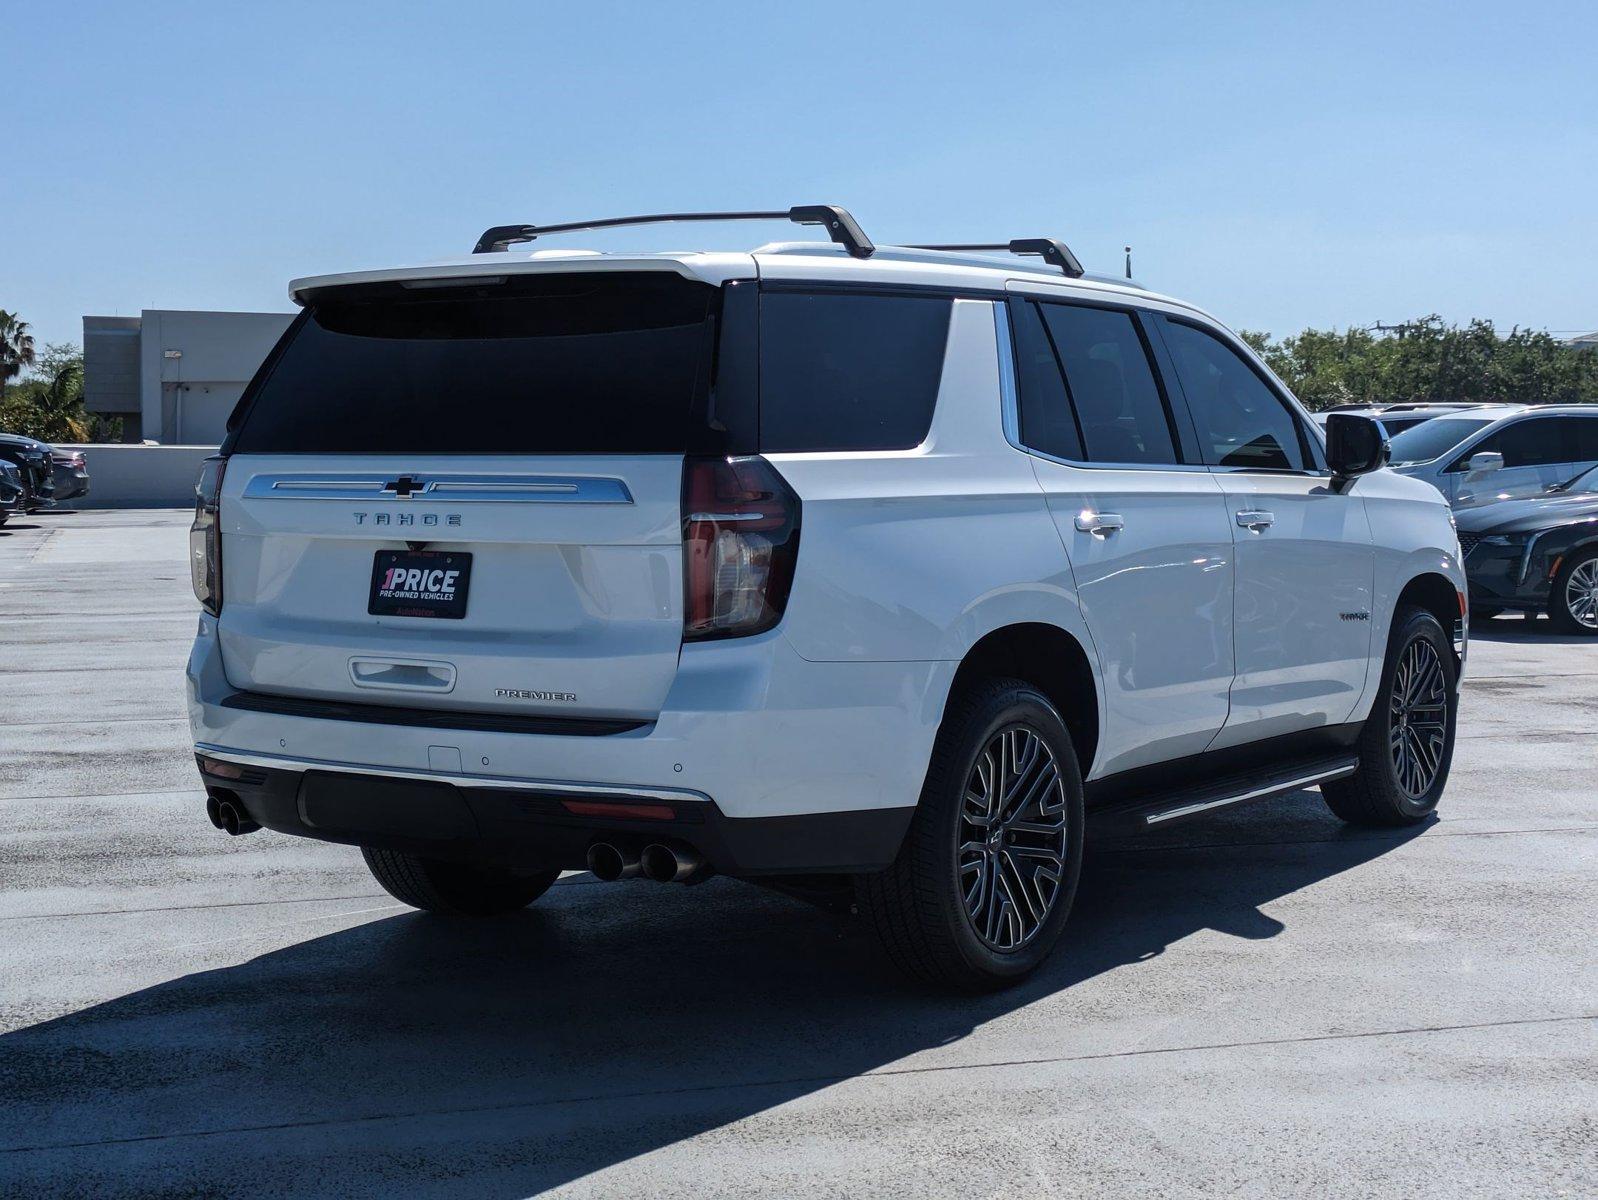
(1263, 1004)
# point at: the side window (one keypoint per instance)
(1536, 442)
(1241, 421)
(849, 372)
(1586, 439)
(1119, 411)
(1047, 423)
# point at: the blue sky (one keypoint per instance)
(1282, 163)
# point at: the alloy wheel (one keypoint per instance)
(1012, 841)
(1581, 594)
(1418, 718)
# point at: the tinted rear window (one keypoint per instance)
(599, 363)
(849, 372)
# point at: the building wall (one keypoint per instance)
(194, 366)
(111, 371)
(123, 476)
(174, 375)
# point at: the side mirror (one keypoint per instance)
(1355, 445)
(1487, 460)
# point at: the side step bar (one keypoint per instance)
(1151, 810)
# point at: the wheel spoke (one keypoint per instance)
(1012, 842)
(1418, 717)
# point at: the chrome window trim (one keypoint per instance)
(1010, 403)
(444, 487)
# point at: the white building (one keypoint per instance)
(174, 376)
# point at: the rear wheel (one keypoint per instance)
(1408, 741)
(1573, 603)
(458, 889)
(988, 870)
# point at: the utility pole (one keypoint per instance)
(1401, 329)
(1129, 262)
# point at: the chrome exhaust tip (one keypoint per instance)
(608, 863)
(213, 811)
(667, 864)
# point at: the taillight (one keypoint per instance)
(740, 543)
(205, 537)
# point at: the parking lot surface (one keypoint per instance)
(1263, 1004)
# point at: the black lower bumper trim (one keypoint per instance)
(426, 718)
(503, 826)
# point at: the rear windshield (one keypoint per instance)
(1434, 438)
(594, 362)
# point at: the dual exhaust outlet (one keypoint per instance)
(229, 816)
(610, 861)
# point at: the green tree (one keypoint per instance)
(16, 348)
(1428, 359)
(49, 406)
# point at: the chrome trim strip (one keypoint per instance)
(552, 787)
(1256, 794)
(445, 488)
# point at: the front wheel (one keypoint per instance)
(1573, 603)
(1408, 741)
(984, 881)
(455, 888)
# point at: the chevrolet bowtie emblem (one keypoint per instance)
(406, 486)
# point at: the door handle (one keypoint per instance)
(1102, 524)
(1256, 519)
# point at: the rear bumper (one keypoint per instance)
(70, 483)
(826, 760)
(501, 821)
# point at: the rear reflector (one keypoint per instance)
(221, 770)
(619, 811)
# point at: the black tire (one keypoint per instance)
(918, 906)
(456, 889)
(1376, 795)
(1559, 599)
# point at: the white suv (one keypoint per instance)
(870, 574)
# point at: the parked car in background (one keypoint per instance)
(870, 565)
(1536, 555)
(1499, 452)
(32, 459)
(1396, 418)
(70, 472)
(12, 493)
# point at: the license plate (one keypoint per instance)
(420, 583)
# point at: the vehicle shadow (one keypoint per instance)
(1533, 631)
(413, 1055)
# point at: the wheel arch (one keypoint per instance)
(1438, 595)
(1052, 660)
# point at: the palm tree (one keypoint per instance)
(16, 347)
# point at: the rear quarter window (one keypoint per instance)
(842, 371)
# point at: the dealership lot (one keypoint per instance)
(1262, 1004)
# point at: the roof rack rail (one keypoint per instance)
(840, 226)
(1051, 250)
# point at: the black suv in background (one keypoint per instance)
(32, 458)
